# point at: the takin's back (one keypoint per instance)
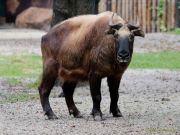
(71, 42)
(75, 34)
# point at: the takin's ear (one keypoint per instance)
(138, 32)
(110, 31)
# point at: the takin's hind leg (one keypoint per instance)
(50, 72)
(68, 89)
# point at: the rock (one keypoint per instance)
(165, 99)
(34, 17)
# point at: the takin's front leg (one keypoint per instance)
(113, 84)
(68, 89)
(95, 84)
(48, 79)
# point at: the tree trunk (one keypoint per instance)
(64, 9)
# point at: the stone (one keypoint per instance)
(34, 17)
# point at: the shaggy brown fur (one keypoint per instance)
(79, 45)
(80, 49)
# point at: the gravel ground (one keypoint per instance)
(149, 99)
(15, 41)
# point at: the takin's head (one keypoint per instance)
(124, 36)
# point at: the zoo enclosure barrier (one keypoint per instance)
(153, 15)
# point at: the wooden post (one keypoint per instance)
(123, 9)
(147, 15)
(102, 6)
(119, 5)
(173, 14)
(140, 12)
(153, 16)
(157, 17)
(114, 6)
(131, 10)
(108, 5)
(127, 10)
(164, 17)
(135, 11)
(144, 14)
(169, 14)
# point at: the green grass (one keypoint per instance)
(160, 60)
(20, 66)
(33, 85)
(176, 31)
(14, 82)
(31, 65)
(17, 97)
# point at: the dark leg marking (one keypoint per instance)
(68, 89)
(113, 84)
(95, 84)
(49, 76)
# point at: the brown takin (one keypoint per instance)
(88, 47)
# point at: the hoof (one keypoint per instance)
(116, 113)
(61, 94)
(75, 113)
(51, 116)
(97, 116)
(78, 115)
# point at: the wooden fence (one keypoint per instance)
(153, 15)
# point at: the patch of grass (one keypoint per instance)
(18, 66)
(160, 60)
(14, 81)
(17, 97)
(33, 85)
(31, 65)
(176, 31)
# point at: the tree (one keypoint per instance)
(64, 9)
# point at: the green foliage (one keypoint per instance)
(160, 15)
(176, 31)
(160, 60)
(160, 8)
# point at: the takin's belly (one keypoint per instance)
(72, 75)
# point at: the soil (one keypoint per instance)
(149, 99)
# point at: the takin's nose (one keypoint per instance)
(123, 56)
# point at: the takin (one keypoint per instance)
(87, 48)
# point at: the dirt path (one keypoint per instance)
(149, 101)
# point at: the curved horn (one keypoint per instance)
(115, 26)
(133, 27)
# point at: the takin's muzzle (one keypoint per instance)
(123, 57)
